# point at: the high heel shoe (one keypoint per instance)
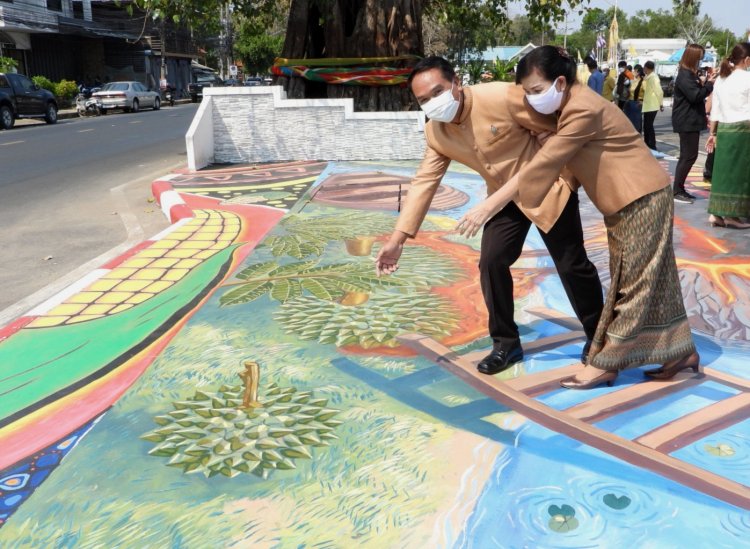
(607, 376)
(716, 221)
(668, 371)
(735, 223)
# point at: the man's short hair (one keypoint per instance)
(590, 63)
(649, 65)
(429, 63)
(622, 64)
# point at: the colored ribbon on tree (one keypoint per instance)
(350, 71)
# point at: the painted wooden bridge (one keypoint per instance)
(651, 450)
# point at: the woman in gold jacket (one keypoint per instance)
(644, 319)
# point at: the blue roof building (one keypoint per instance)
(507, 53)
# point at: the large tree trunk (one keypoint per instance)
(353, 28)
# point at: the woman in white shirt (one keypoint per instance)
(730, 136)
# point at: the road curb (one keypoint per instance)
(57, 299)
(173, 207)
(170, 201)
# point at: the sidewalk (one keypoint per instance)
(71, 112)
(142, 378)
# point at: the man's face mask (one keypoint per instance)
(442, 108)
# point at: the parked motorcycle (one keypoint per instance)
(87, 106)
(169, 96)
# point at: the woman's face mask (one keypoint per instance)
(548, 101)
(442, 108)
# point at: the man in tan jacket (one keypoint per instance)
(474, 126)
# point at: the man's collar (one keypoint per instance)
(466, 107)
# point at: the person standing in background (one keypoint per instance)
(608, 88)
(622, 90)
(689, 115)
(596, 80)
(634, 106)
(730, 135)
(653, 97)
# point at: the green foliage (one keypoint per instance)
(212, 434)
(474, 69)
(324, 282)
(502, 71)
(308, 235)
(377, 322)
(66, 89)
(259, 39)
(8, 64)
(44, 83)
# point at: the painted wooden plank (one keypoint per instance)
(701, 423)
(636, 454)
(727, 379)
(600, 408)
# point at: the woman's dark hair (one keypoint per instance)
(551, 62)
(691, 57)
(738, 53)
(429, 63)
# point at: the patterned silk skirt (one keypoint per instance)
(644, 319)
(730, 181)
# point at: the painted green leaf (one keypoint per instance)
(615, 502)
(245, 293)
(720, 450)
(563, 523)
(258, 271)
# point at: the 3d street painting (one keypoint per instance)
(242, 380)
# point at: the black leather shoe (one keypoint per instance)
(500, 359)
(585, 352)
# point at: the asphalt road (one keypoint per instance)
(75, 193)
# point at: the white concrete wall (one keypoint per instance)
(258, 124)
(200, 137)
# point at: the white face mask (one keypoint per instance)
(547, 102)
(442, 108)
(620, 70)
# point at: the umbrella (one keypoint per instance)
(708, 58)
(614, 39)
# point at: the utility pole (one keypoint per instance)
(565, 37)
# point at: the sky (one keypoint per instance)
(731, 14)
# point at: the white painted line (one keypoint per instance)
(172, 227)
(67, 292)
(12, 143)
(132, 226)
(89, 130)
(135, 122)
(169, 176)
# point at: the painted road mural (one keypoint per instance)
(242, 380)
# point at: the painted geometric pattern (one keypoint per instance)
(150, 271)
(277, 186)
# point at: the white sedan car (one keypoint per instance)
(129, 96)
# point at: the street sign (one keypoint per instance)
(233, 70)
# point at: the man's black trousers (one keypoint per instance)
(502, 242)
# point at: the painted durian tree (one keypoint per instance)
(346, 303)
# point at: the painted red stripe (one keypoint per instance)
(15, 326)
(120, 259)
(180, 211)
